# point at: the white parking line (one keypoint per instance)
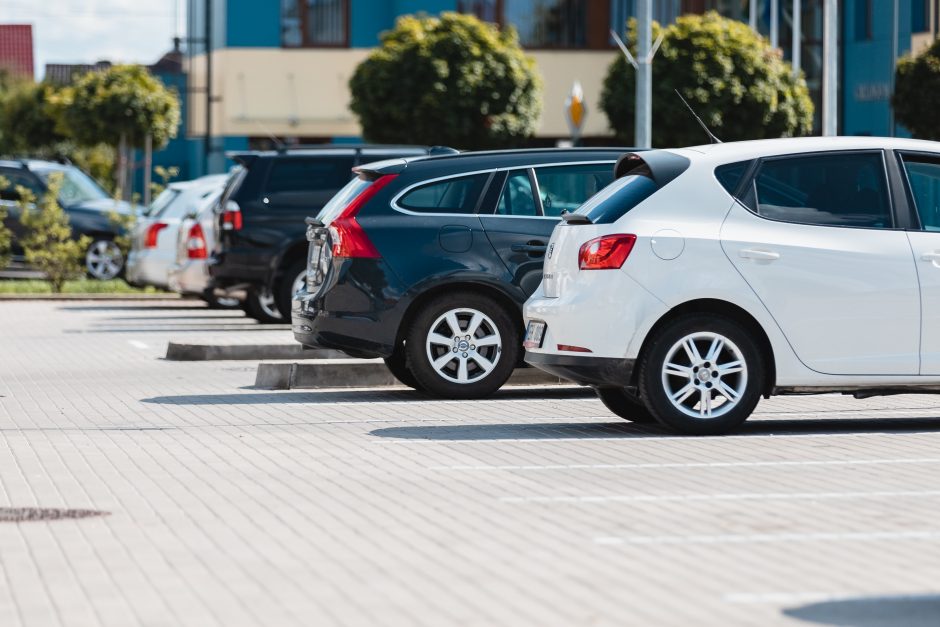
(756, 496)
(784, 598)
(838, 462)
(138, 344)
(865, 536)
(635, 438)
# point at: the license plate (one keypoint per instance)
(534, 334)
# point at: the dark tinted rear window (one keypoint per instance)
(730, 175)
(614, 201)
(453, 195)
(307, 182)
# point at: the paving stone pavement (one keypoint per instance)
(233, 506)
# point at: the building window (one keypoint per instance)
(863, 20)
(540, 23)
(486, 10)
(920, 16)
(665, 12)
(314, 23)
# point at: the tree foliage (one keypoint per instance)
(47, 242)
(30, 119)
(738, 85)
(121, 100)
(6, 237)
(447, 80)
(916, 85)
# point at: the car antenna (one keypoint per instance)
(711, 136)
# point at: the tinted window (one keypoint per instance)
(15, 178)
(614, 201)
(730, 175)
(924, 177)
(565, 188)
(307, 175)
(76, 187)
(834, 190)
(456, 195)
(517, 198)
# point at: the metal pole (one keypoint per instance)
(752, 15)
(208, 44)
(895, 27)
(795, 53)
(644, 75)
(774, 23)
(830, 100)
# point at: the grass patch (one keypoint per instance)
(79, 286)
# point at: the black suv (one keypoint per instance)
(260, 247)
(426, 262)
(86, 204)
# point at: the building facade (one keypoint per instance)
(280, 69)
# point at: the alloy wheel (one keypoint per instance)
(267, 304)
(298, 283)
(704, 375)
(463, 345)
(104, 260)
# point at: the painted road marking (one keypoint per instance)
(641, 466)
(669, 498)
(867, 536)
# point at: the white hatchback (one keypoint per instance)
(705, 278)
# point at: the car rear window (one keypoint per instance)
(614, 201)
(454, 195)
(730, 175)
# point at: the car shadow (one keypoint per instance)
(624, 429)
(183, 328)
(887, 611)
(360, 396)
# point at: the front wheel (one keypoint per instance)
(462, 345)
(104, 260)
(702, 374)
(625, 405)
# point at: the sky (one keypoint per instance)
(86, 31)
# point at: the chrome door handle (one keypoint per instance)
(934, 257)
(763, 255)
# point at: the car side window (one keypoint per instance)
(923, 176)
(14, 179)
(844, 189)
(517, 198)
(565, 188)
(307, 181)
(454, 195)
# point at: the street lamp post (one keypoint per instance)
(644, 75)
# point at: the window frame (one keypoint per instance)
(303, 11)
(907, 191)
(597, 17)
(747, 195)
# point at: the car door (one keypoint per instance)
(818, 245)
(9, 197)
(921, 173)
(528, 208)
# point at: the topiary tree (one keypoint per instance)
(916, 84)
(447, 80)
(737, 83)
(6, 236)
(30, 119)
(47, 242)
(121, 106)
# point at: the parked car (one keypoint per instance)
(189, 273)
(260, 248)
(85, 203)
(705, 278)
(426, 262)
(153, 242)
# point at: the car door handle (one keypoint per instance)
(934, 257)
(761, 255)
(529, 248)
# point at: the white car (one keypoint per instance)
(189, 273)
(153, 243)
(704, 278)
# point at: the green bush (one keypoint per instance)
(47, 241)
(738, 84)
(450, 80)
(6, 236)
(916, 85)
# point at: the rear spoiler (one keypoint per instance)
(660, 165)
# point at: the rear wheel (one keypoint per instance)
(625, 405)
(702, 374)
(397, 364)
(291, 282)
(462, 345)
(260, 306)
(104, 260)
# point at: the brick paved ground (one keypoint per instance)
(232, 506)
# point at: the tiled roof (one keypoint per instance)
(16, 49)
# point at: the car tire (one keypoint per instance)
(291, 281)
(103, 259)
(702, 374)
(219, 302)
(473, 371)
(625, 405)
(260, 305)
(397, 364)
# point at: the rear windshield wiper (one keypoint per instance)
(575, 218)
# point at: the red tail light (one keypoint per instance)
(349, 239)
(150, 240)
(232, 217)
(607, 252)
(196, 243)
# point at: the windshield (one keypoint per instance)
(614, 201)
(77, 187)
(342, 199)
(161, 202)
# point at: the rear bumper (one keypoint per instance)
(147, 268)
(190, 277)
(594, 371)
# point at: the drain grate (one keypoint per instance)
(30, 514)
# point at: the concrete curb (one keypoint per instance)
(360, 373)
(186, 351)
